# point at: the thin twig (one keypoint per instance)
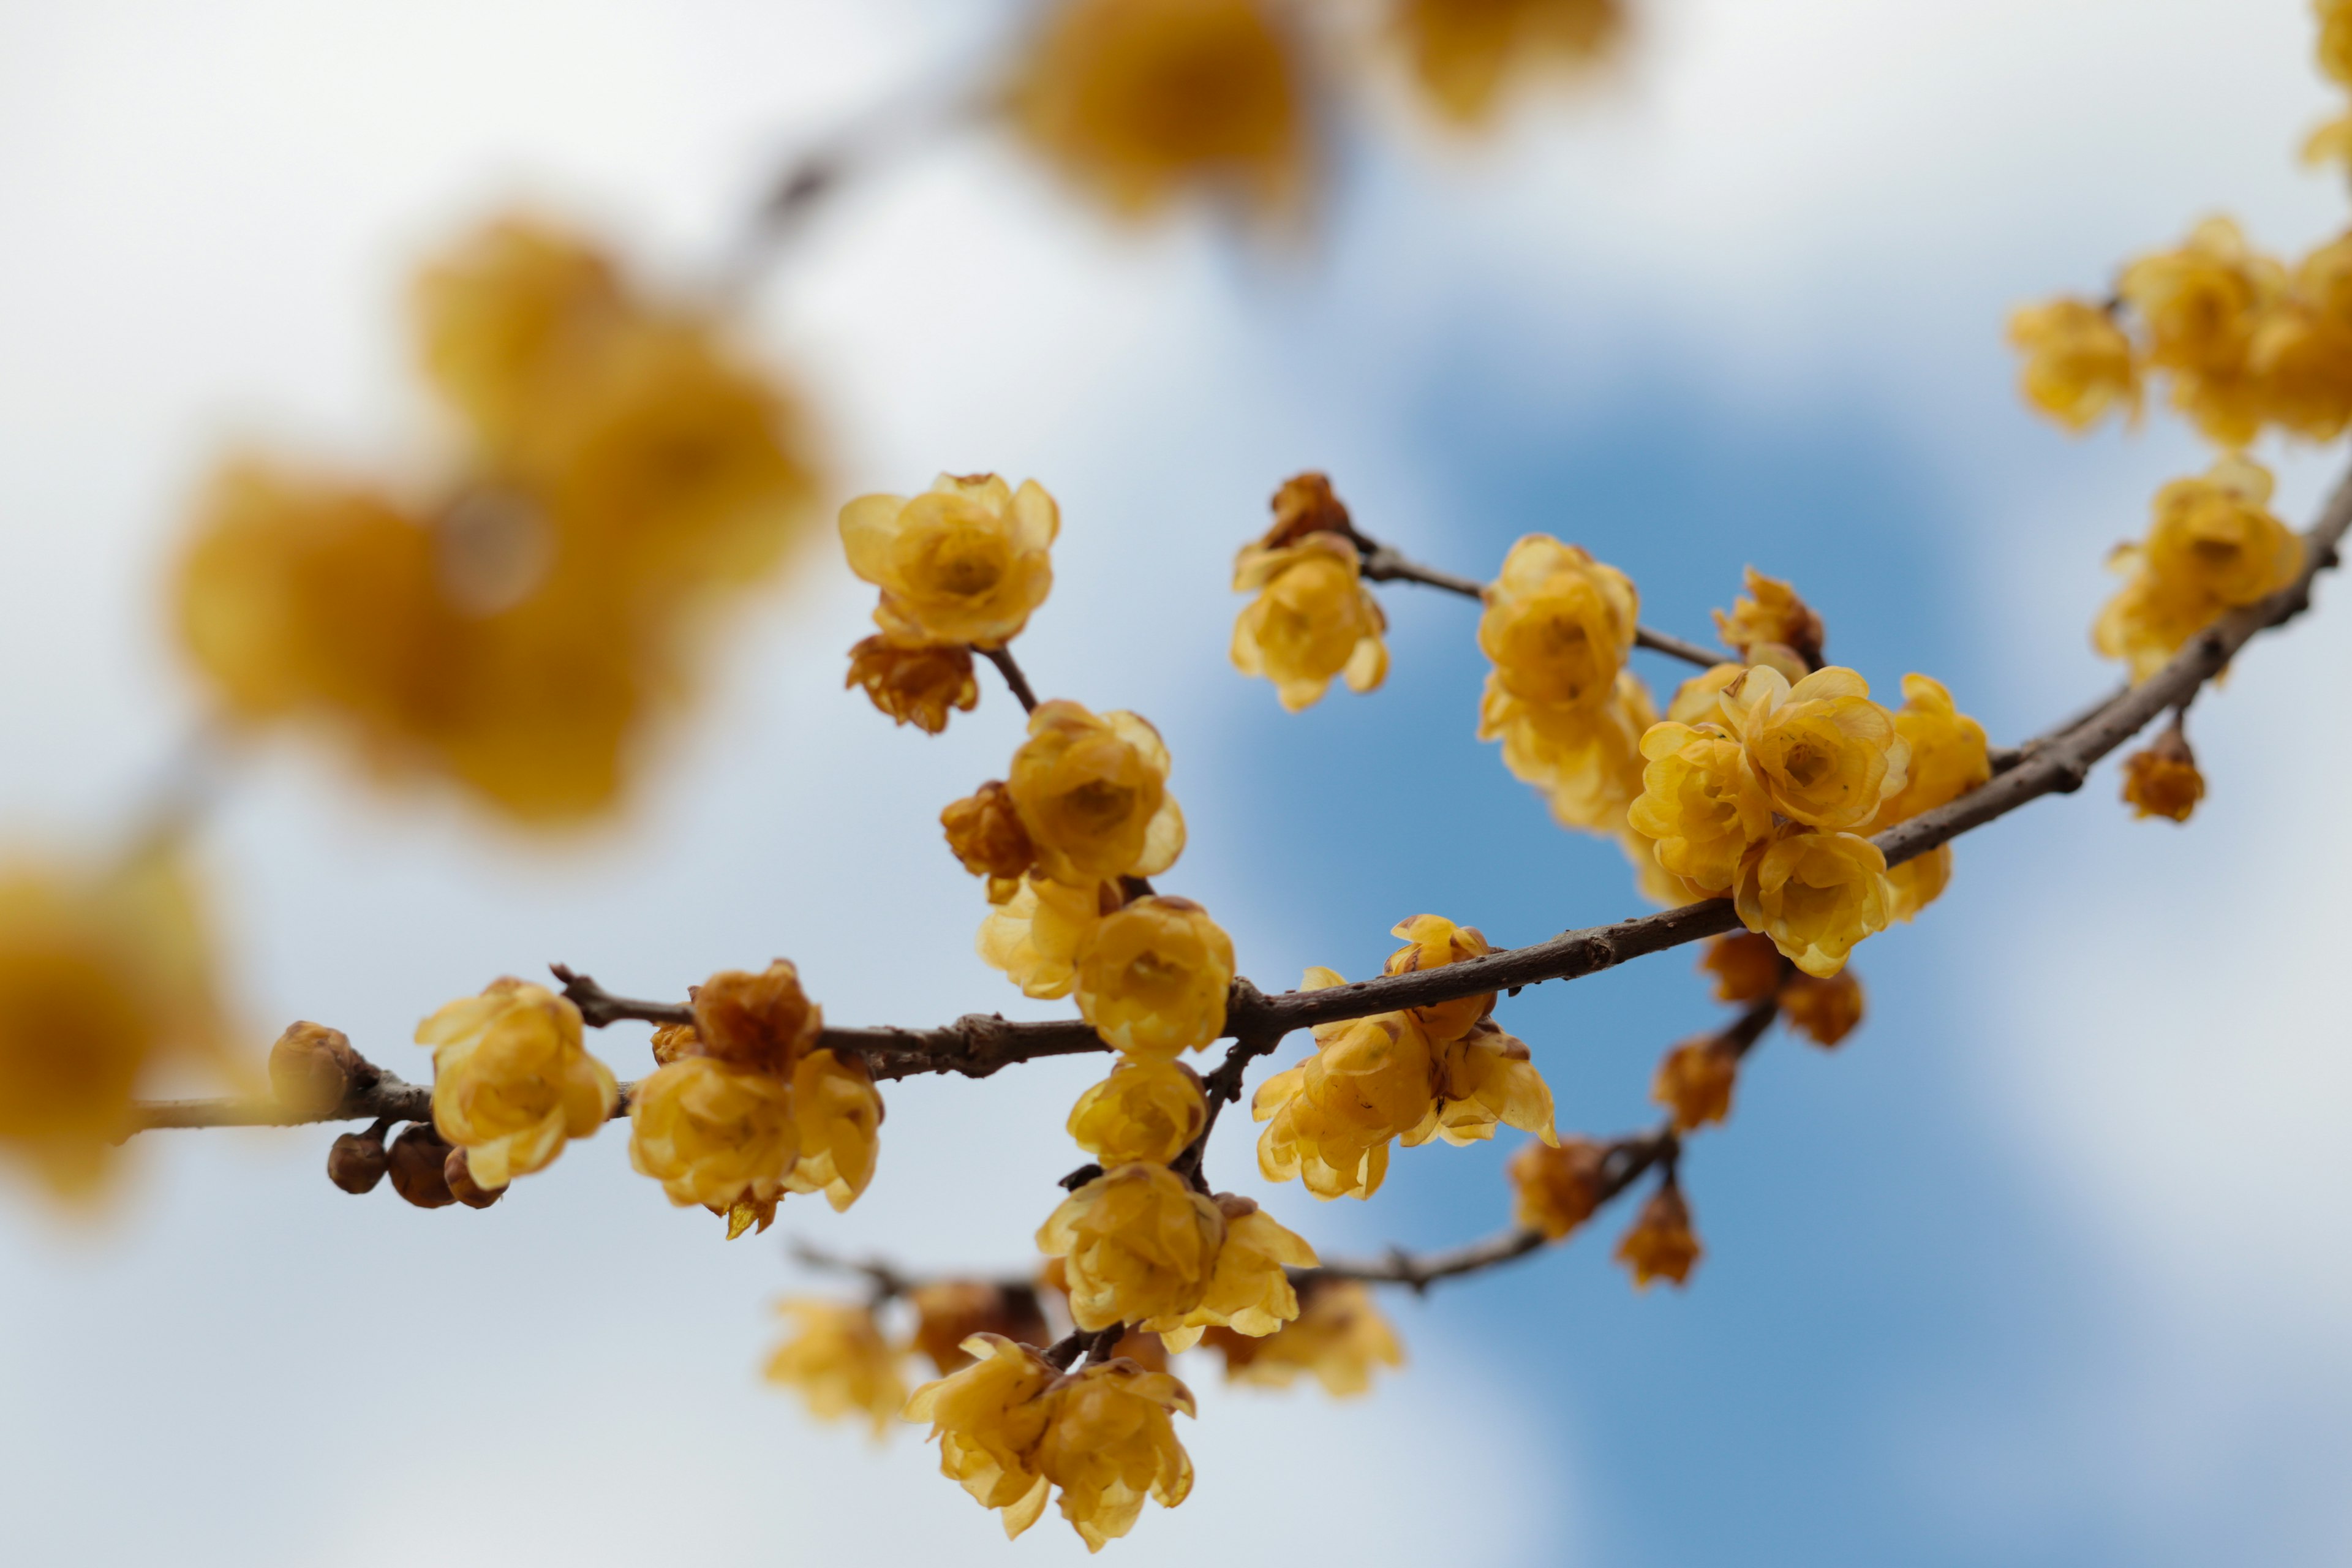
(1017, 682)
(1386, 563)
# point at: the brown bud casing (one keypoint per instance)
(417, 1160)
(356, 1161)
(313, 1067)
(459, 1177)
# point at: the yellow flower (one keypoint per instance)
(2078, 362)
(1556, 1187)
(1747, 967)
(1140, 1245)
(2202, 305)
(714, 1133)
(1331, 1119)
(985, 832)
(1431, 943)
(1338, 1337)
(1148, 1110)
(1312, 619)
(1558, 624)
(1698, 699)
(1462, 52)
(510, 1079)
(1816, 895)
(1479, 1082)
(765, 1021)
(2163, 780)
(988, 1418)
(1662, 1244)
(1093, 793)
(2149, 619)
(1918, 882)
(1035, 935)
(1139, 99)
(839, 1115)
(1586, 761)
(1701, 802)
(1947, 755)
(1825, 754)
(1153, 976)
(2214, 546)
(1827, 1010)
(1772, 625)
(1109, 1443)
(2301, 346)
(2334, 38)
(968, 560)
(104, 975)
(915, 685)
(948, 1312)
(2330, 142)
(839, 1362)
(1249, 1290)
(1694, 1081)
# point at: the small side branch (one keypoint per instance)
(1014, 680)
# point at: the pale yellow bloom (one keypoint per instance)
(1697, 699)
(1313, 619)
(1150, 1108)
(987, 1417)
(1918, 882)
(839, 1115)
(1556, 1187)
(2214, 546)
(1700, 802)
(1035, 935)
(915, 685)
(2202, 305)
(1586, 760)
(1138, 1243)
(1947, 752)
(968, 560)
(1825, 754)
(1558, 624)
(511, 1082)
(714, 1133)
(1249, 1290)
(1153, 977)
(1464, 53)
(1330, 1119)
(2079, 364)
(1093, 793)
(1479, 1082)
(1433, 942)
(1772, 626)
(839, 1362)
(1109, 1444)
(1338, 1338)
(1816, 895)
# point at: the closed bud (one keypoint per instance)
(356, 1161)
(1694, 1081)
(459, 1179)
(1771, 615)
(915, 685)
(1747, 967)
(417, 1164)
(312, 1068)
(1662, 1244)
(984, 831)
(2163, 780)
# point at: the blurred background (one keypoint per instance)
(2043, 1266)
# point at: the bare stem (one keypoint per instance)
(1014, 680)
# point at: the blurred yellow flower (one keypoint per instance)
(1035, 935)
(987, 1417)
(1701, 803)
(984, 831)
(1918, 882)
(2335, 39)
(968, 560)
(1109, 1443)
(1093, 793)
(838, 1363)
(105, 974)
(511, 1081)
(948, 1312)
(1825, 754)
(1558, 624)
(1153, 977)
(2163, 780)
(1313, 619)
(1948, 753)
(1771, 626)
(1338, 1338)
(1249, 1289)
(1825, 1010)
(1139, 1244)
(1556, 1187)
(1149, 1109)
(1139, 100)
(1694, 1081)
(1660, 1245)
(1331, 1118)
(1465, 53)
(839, 1115)
(714, 1133)
(1585, 760)
(2214, 546)
(1747, 967)
(2079, 364)
(915, 685)
(1816, 895)
(2202, 305)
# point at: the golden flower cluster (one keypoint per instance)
(1464, 53)
(511, 1081)
(1444, 1071)
(2214, 546)
(839, 1362)
(514, 628)
(746, 1106)
(1337, 1339)
(1313, 617)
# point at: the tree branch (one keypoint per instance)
(1014, 679)
(1385, 563)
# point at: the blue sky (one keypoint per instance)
(2043, 1266)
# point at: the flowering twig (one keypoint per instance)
(1014, 680)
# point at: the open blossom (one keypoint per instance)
(1150, 1108)
(1825, 1010)
(2079, 364)
(1825, 754)
(968, 560)
(1463, 56)
(947, 1312)
(1431, 943)
(839, 1114)
(1313, 619)
(1153, 977)
(1918, 882)
(1556, 1187)
(1771, 624)
(1035, 935)
(104, 975)
(714, 1133)
(2202, 305)
(1694, 1081)
(1747, 967)
(1947, 752)
(1109, 1443)
(1139, 100)
(1585, 760)
(2163, 780)
(511, 1082)
(1093, 793)
(839, 1362)
(1480, 1082)
(1700, 802)
(1139, 1244)
(1338, 1337)
(1330, 1119)
(1660, 1245)
(1816, 895)
(2214, 546)
(984, 831)
(1558, 624)
(1249, 1289)
(915, 684)
(2300, 351)
(987, 1417)
(506, 312)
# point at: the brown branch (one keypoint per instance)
(1014, 680)
(388, 1097)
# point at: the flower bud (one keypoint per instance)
(417, 1164)
(915, 685)
(985, 832)
(1827, 1010)
(1772, 614)
(462, 1186)
(1694, 1081)
(2163, 780)
(1662, 1244)
(1747, 967)
(356, 1161)
(1556, 1190)
(312, 1068)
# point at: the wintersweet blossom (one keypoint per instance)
(2079, 364)
(1109, 1444)
(1825, 1011)
(968, 560)
(838, 1115)
(839, 1362)
(1139, 1244)
(1694, 1081)
(511, 1081)
(1150, 1108)
(984, 831)
(1558, 624)
(1035, 935)
(915, 684)
(1771, 626)
(1825, 754)
(1816, 895)
(1433, 942)
(1093, 794)
(714, 1133)
(1556, 1187)
(1701, 803)
(1660, 1245)
(1338, 1337)
(1152, 977)
(1249, 1289)
(1462, 56)
(987, 1417)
